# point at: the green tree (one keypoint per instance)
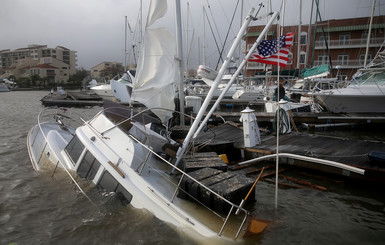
(111, 72)
(34, 78)
(45, 81)
(23, 82)
(78, 77)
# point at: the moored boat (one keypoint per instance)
(364, 94)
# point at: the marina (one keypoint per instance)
(272, 146)
(345, 205)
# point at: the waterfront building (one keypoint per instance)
(106, 70)
(55, 64)
(342, 42)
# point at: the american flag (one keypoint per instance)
(267, 51)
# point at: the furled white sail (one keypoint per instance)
(157, 10)
(157, 69)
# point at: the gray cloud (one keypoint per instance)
(95, 28)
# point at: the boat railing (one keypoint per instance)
(175, 171)
(62, 115)
(58, 115)
(64, 121)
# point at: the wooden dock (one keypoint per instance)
(72, 99)
(211, 171)
(352, 152)
(310, 118)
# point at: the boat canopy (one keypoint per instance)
(317, 71)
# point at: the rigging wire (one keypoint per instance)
(215, 23)
(227, 35)
(215, 40)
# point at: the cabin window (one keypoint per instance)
(88, 167)
(109, 183)
(74, 149)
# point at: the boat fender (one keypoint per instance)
(377, 156)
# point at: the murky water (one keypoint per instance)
(36, 208)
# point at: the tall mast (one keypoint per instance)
(204, 38)
(125, 44)
(308, 35)
(369, 33)
(299, 34)
(180, 58)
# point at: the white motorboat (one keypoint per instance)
(364, 94)
(122, 88)
(208, 76)
(104, 91)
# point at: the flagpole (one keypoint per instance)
(235, 75)
(279, 32)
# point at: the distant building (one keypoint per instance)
(106, 70)
(346, 40)
(55, 64)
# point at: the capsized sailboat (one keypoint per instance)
(123, 152)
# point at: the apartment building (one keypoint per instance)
(56, 64)
(342, 42)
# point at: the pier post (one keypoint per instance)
(251, 133)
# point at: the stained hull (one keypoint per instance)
(358, 99)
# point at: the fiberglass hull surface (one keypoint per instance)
(338, 103)
(354, 98)
(46, 144)
(142, 174)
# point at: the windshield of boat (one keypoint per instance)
(371, 78)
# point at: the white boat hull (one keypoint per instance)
(104, 91)
(121, 91)
(124, 155)
(359, 99)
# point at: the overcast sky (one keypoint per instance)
(96, 28)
